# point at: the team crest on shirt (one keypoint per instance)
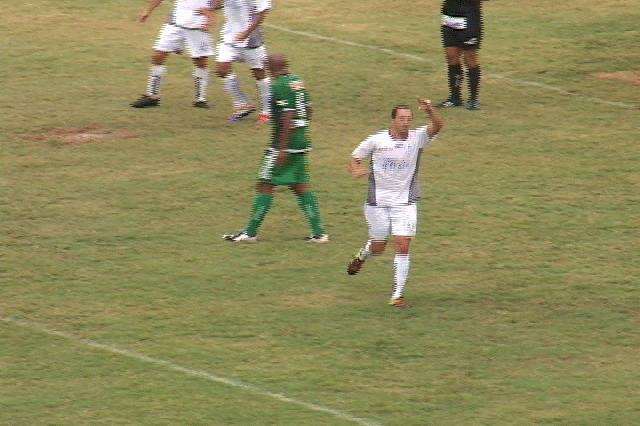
(296, 85)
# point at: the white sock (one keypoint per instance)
(155, 78)
(365, 251)
(400, 274)
(231, 85)
(200, 82)
(263, 88)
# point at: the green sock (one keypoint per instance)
(309, 205)
(261, 204)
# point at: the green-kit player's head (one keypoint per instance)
(278, 64)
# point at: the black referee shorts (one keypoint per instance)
(468, 39)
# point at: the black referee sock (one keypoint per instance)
(455, 81)
(474, 82)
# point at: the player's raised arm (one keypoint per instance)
(436, 121)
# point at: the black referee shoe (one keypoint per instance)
(473, 105)
(451, 102)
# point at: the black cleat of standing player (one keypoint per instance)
(145, 101)
(201, 104)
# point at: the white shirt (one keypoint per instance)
(238, 15)
(185, 13)
(394, 166)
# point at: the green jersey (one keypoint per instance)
(288, 93)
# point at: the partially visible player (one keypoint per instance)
(186, 27)
(390, 209)
(285, 159)
(462, 29)
(242, 41)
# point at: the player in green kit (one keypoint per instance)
(285, 159)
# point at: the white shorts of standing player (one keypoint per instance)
(254, 57)
(176, 39)
(383, 221)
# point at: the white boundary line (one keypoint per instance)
(422, 59)
(192, 372)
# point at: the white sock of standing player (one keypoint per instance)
(263, 87)
(231, 86)
(365, 251)
(155, 78)
(200, 83)
(400, 274)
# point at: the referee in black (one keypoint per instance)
(462, 30)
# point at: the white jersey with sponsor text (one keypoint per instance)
(394, 162)
(238, 15)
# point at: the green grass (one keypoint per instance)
(524, 274)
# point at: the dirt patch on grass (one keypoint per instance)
(630, 76)
(81, 135)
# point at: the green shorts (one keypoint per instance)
(294, 171)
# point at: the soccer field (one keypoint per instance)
(120, 303)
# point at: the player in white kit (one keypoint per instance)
(242, 41)
(394, 158)
(188, 27)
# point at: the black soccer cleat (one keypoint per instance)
(354, 265)
(201, 104)
(450, 102)
(145, 101)
(473, 105)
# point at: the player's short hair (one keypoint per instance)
(395, 109)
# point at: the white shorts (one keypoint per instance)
(254, 56)
(175, 39)
(395, 220)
